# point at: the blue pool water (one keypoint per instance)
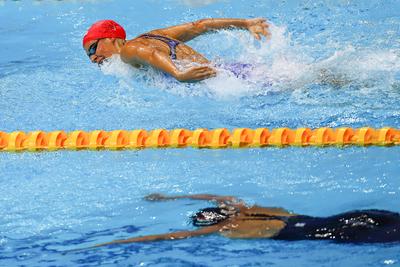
(329, 63)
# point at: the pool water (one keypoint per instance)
(329, 63)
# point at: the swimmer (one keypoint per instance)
(161, 48)
(234, 219)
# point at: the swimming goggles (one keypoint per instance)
(92, 49)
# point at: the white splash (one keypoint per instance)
(115, 66)
(278, 64)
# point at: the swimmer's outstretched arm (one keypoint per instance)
(188, 31)
(219, 199)
(169, 236)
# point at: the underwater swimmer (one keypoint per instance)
(162, 47)
(234, 219)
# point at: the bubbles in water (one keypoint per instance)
(389, 262)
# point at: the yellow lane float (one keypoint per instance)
(199, 138)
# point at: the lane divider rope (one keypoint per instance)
(199, 138)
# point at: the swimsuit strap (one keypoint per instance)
(170, 42)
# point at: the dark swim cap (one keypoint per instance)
(209, 216)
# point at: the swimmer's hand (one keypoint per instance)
(258, 27)
(196, 74)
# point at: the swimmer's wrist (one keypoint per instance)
(241, 23)
(246, 23)
(183, 76)
(179, 76)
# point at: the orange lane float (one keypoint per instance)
(56, 140)
(302, 137)
(364, 136)
(137, 138)
(158, 138)
(3, 140)
(219, 138)
(322, 137)
(281, 137)
(35, 141)
(77, 140)
(242, 137)
(343, 136)
(97, 139)
(387, 136)
(180, 137)
(117, 139)
(15, 141)
(198, 138)
(260, 137)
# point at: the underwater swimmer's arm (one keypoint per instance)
(136, 54)
(188, 31)
(169, 236)
(220, 199)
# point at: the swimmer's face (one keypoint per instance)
(100, 49)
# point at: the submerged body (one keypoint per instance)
(160, 48)
(234, 219)
(360, 226)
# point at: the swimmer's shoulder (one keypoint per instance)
(132, 49)
(139, 42)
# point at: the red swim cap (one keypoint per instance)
(104, 29)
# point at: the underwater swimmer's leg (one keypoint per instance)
(364, 226)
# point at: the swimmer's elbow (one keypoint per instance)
(200, 25)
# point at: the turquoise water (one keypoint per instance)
(330, 64)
